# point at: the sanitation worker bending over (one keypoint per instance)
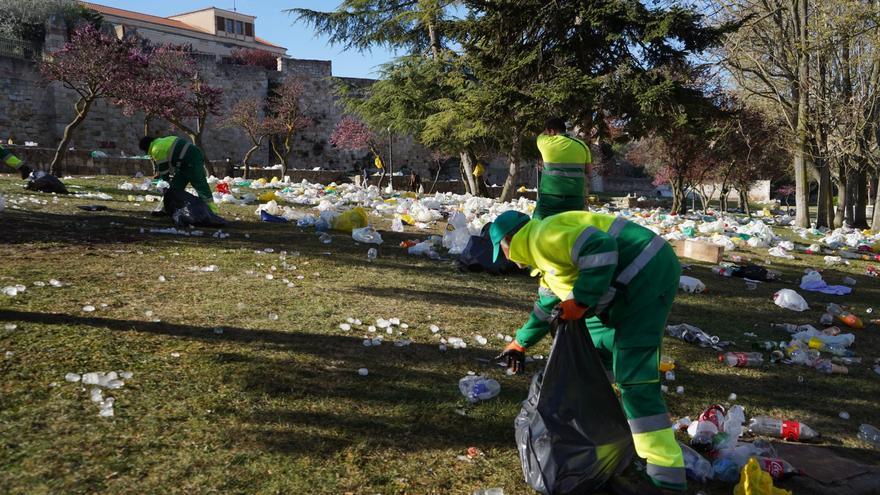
(180, 163)
(622, 279)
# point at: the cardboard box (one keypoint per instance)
(699, 251)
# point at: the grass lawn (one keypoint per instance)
(276, 405)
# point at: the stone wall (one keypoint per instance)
(34, 110)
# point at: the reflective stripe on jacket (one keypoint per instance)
(168, 153)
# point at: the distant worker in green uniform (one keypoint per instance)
(180, 163)
(13, 161)
(621, 278)
(480, 179)
(565, 166)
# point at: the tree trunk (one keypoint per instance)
(247, 160)
(147, 119)
(513, 166)
(679, 206)
(744, 201)
(83, 106)
(875, 221)
(434, 40)
(826, 202)
(840, 209)
(467, 171)
(802, 186)
(860, 190)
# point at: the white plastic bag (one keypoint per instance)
(367, 235)
(691, 284)
(789, 299)
(779, 252)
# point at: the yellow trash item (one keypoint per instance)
(407, 219)
(767, 213)
(409, 194)
(274, 179)
(267, 196)
(261, 181)
(666, 364)
(755, 481)
(521, 189)
(349, 220)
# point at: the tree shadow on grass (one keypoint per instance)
(318, 404)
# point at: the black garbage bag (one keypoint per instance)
(571, 432)
(477, 256)
(47, 183)
(186, 209)
(753, 272)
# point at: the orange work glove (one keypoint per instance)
(515, 355)
(572, 310)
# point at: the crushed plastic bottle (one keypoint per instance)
(325, 238)
(870, 434)
(724, 271)
(372, 254)
(742, 359)
(725, 470)
(696, 466)
(845, 316)
(778, 428)
(477, 388)
(490, 491)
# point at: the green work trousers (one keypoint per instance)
(551, 204)
(192, 171)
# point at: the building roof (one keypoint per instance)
(162, 21)
(212, 8)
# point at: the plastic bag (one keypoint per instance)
(789, 299)
(754, 481)
(571, 432)
(47, 183)
(349, 220)
(691, 284)
(367, 235)
(186, 209)
(457, 234)
(477, 388)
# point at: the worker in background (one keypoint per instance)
(179, 162)
(621, 278)
(415, 181)
(565, 158)
(480, 179)
(13, 161)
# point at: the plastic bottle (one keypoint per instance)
(767, 345)
(695, 465)
(742, 359)
(778, 428)
(778, 468)
(833, 348)
(371, 255)
(477, 388)
(845, 316)
(725, 470)
(827, 367)
(870, 434)
(722, 270)
(325, 238)
(666, 364)
(490, 491)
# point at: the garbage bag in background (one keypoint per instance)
(349, 220)
(571, 433)
(47, 183)
(477, 256)
(186, 209)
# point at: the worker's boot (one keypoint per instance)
(25, 171)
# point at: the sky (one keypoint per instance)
(277, 27)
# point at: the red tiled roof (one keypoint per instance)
(137, 16)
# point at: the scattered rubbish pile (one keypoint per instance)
(100, 382)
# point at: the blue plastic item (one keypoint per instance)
(268, 217)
